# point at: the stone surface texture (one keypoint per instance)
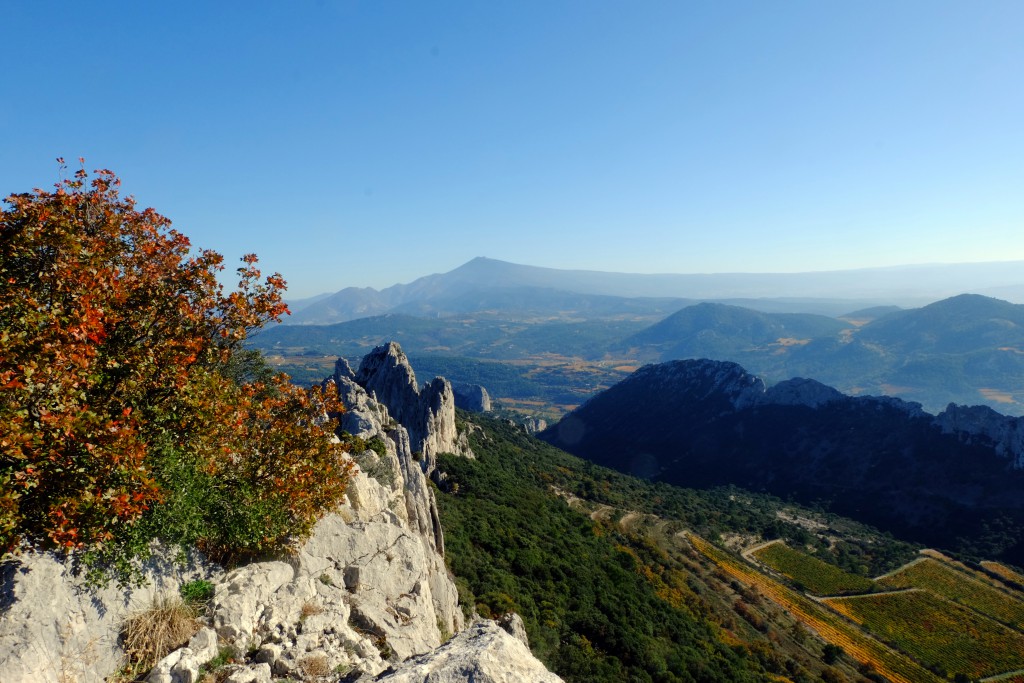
(483, 653)
(55, 628)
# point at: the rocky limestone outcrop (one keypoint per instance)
(982, 425)
(534, 425)
(183, 664)
(357, 596)
(53, 627)
(528, 423)
(471, 397)
(402, 467)
(367, 590)
(427, 413)
(483, 653)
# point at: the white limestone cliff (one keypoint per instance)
(366, 591)
(427, 413)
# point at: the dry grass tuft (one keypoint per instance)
(150, 635)
(309, 609)
(315, 666)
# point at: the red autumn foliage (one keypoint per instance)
(115, 350)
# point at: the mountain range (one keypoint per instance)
(484, 283)
(967, 349)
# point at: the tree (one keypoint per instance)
(128, 408)
(831, 653)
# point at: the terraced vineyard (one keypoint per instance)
(934, 630)
(895, 666)
(939, 616)
(1004, 572)
(957, 586)
(816, 576)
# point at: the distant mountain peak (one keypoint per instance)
(858, 288)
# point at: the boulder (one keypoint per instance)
(471, 397)
(483, 653)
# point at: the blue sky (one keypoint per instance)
(369, 143)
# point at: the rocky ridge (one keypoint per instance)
(427, 414)
(709, 380)
(367, 591)
(952, 479)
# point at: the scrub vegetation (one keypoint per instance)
(129, 409)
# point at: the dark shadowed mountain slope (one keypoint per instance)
(880, 460)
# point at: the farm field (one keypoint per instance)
(814, 575)
(894, 665)
(959, 587)
(1001, 580)
(936, 631)
(938, 619)
(1004, 572)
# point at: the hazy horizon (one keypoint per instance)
(908, 286)
(429, 270)
(356, 144)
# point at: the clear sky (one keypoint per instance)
(369, 143)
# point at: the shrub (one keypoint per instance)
(831, 653)
(377, 467)
(128, 408)
(377, 445)
(196, 592)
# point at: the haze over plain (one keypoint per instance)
(358, 144)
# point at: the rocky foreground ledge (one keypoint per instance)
(366, 597)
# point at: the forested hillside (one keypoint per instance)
(593, 561)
